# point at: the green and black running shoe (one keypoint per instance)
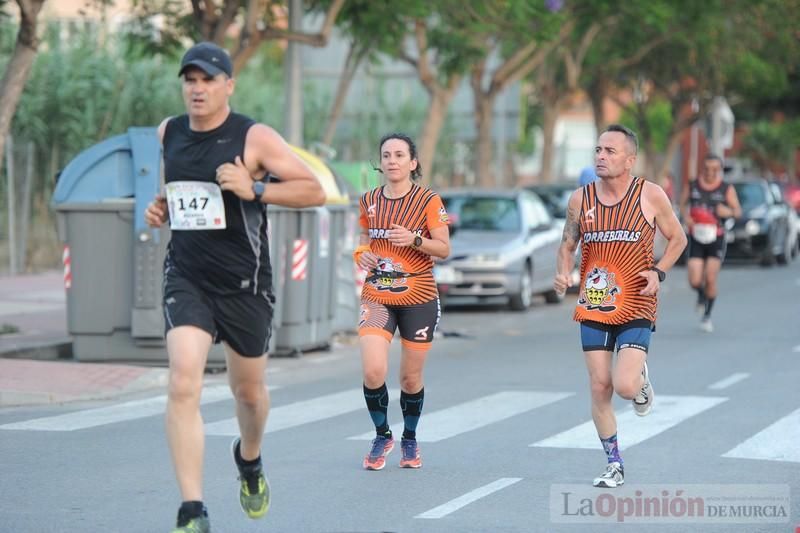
(254, 492)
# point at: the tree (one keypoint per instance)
(19, 66)
(258, 21)
(439, 56)
(420, 33)
(557, 80)
(718, 48)
(371, 29)
(521, 33)
(772, 146)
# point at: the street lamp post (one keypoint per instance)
(293, 118)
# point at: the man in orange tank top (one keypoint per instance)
(615, 219)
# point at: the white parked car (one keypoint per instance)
(503, 244)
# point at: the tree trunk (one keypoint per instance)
(351, 64)
(658, 170)
(483, 121)
(19, 66)
(25, 216)
(653, 161)
(440, 99)
(550, 111)
(11, 206)
(598, 91)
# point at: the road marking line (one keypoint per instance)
(777, 442)
(112, 414)
(302, 412)
(733, 379)
(22, 308)
(475, 414)
(321, 359)
(668, 411)
(468, 498)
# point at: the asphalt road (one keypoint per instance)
(506, 434)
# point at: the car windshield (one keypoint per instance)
(751, 195)
(484, 213)
(555, 200)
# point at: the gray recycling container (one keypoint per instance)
(114, 303)
(345, 298)
(306, 318)
(278, 220)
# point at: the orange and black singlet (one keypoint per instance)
(617, 244)
(420, 210)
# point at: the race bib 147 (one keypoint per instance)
(195, 205)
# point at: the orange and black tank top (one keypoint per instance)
(404, 276)
(617, 244)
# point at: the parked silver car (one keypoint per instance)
(503, 244)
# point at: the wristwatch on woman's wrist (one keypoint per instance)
(417, 242)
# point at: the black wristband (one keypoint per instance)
(661, 274)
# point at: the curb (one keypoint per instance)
(46, 348)
(155, 378)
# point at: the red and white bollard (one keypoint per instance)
(299, 259)
(67, 268)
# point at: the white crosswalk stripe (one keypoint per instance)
(778, 442)
(112, 414)
(474, 414)
(729, 381)
(299, 413)
(668, 411)
(466, 499)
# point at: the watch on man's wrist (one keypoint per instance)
(661, 274)
(258, 190)
(417, 242)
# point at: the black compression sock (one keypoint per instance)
(701, 295)
(411, 405)
(246, 465)
(378, 406)
(709, 306)
(189, 510)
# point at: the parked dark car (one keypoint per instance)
(503, 244)
(762, 233)
(555, 196)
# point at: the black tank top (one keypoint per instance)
(703, 203)
(226, 261)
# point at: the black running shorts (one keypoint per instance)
(243, 321)
(417, 323)
(717, 248)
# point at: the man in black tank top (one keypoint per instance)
(217, 273)
(705, 203)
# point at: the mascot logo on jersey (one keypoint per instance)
(599, 290)
(389, 276)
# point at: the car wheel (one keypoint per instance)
(768, 256)
(786, 254)
(522, 300)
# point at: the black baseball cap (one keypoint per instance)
(209, 58)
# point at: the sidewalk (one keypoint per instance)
(36, 365)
